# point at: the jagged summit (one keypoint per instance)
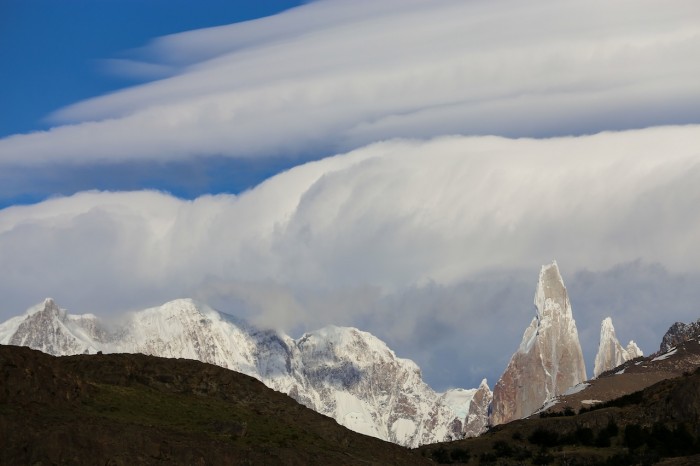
(50, 329)
(633, 350)
(678, 333)
(48, 305)
(549, 359)
(610, 352)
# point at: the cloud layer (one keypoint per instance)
(431, 245)
(335, 75)
(430, 227)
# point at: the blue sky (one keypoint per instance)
(53, 55)
(403, 166)
(51, 50)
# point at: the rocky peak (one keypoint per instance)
(610, 352)
(549, 359)
(476, 422)
(471, 409)
(48, 309)
(47, 328)
(678, 333)
(633, 350)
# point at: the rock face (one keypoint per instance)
(549, 359)
(633, 351)
(341, 372)
(610, 352)
(678, 333)
(471, 406)
(477, 418)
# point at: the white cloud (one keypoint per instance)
(412, 240)
(433, 243)
(338, 74)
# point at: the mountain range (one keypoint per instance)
(351, 375)
(137, 409)
(341, 372)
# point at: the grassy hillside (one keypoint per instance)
(136, 409)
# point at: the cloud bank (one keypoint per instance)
(335, 75)
(430, 244)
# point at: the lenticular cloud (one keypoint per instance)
(457, 173)
(428, 244)
(337, 74)
(390, 215)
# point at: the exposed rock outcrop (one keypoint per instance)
(610, 352)
(478, 416)
(471, 407)
(678, 333)
(549, 359)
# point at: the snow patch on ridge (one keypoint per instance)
(665, 355)
(403, 430)
(354, 414)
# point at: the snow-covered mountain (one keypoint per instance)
(610, 352)
(342, 372)
(549, 359)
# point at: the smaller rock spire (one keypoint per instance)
(610, 352)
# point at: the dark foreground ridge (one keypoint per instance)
(134, 409)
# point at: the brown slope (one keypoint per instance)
(136, 409)
(634, 375)
(658, 424)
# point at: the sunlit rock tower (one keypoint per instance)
(549, 359)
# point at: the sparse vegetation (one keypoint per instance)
(441, 455)
(542, 457)
(567, 411)
(604, 436)
(544, 437)
(460, 455)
